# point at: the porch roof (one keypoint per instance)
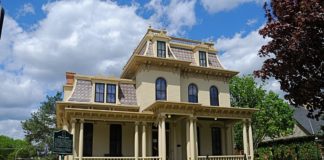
(200, 110)
(106, 115)
(66, 109)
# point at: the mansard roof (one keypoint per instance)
(83, 92)
(180, 50)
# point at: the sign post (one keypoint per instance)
(63, 143)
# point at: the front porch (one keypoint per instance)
(181, 131)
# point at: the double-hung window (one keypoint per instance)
(202, 59)
(160, 89)
(213, 95)
(99, 92)
(111, 93)
(161, 49)
(193, 93)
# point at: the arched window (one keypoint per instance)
(193, 93)
(160, 89)
(213, 95)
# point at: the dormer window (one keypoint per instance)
(161, 49)
(111, 93)
(99, 92)
(202, 59)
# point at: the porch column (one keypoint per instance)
(144, 139)
(163, 138)
(245, 139)
(160, 137)
(192, 139)
(81, 139)
(195, 138)
(188, 138)
(136, 141)
(74, 137)
(251, 140)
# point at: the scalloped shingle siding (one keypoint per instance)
(127, 94)
(213, 61)
(183, 54)
(82, 91)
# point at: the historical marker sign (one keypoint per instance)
(63, 142)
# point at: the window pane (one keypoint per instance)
(99, 92)
(111, 93)
(160, 89)
(192, 93)
(214, 96)
(161, 51)
(202, 59)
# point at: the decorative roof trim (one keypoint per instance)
(104, 115)
(110, 106)
(185, 66)
(103, 78)
(200, 111)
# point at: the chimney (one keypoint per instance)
(69, 78)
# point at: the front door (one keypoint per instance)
(115, 140)
(87, 139)
(216, 141)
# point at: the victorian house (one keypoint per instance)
(171, 102)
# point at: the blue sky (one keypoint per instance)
(42, 39)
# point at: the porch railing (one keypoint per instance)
(118, 158)
(229, 157)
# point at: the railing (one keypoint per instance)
(231, 157)
(118, 158)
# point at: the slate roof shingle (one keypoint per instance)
(127, 94)
(310, 125)
(183, 54)
(82, 91)
(213, 61)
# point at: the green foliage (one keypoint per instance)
(40, 127)
(274, 117)
(9, 148)
(302, 150)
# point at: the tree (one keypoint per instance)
(274, 117)
(40, 127)
(9, 148)
(296, 51)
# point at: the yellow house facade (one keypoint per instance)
(171, 102)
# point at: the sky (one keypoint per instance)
(42, 39)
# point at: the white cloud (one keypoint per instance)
(11, 128)
(27, 8)
(214, 6)
(77, 36)
(88, 37)
(240, 53)
(175, 16)
(251, 22)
